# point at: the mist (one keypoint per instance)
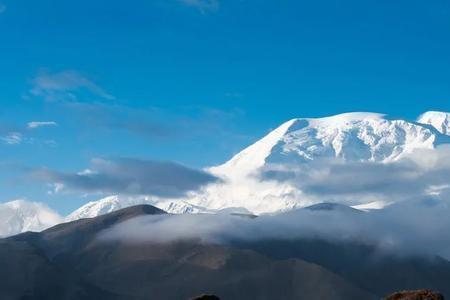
(416, 227)
(416, 221)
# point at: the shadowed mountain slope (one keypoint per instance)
(69, 261)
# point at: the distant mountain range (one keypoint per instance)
(20, 215)
(74, 261)
(247, 182)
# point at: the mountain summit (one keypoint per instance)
(349, 137)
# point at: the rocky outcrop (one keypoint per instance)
(416, 295)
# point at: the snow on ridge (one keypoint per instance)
(255, 154)
(105, 205)
(350, 137)
(114, 202)
(437, 119)
(375, 205)
(353, 136)
(180, 207)
(347, 117)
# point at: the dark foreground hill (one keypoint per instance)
(69, 261)
(415, 295)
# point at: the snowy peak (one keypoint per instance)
(116, 202)
(19, 216)
(437, 119)
(255, 155)
(350, 137)
(355, 136)
(180, 207)
(105, 205)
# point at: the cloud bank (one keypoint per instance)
(132, 177)
(410, 228)
(416, 222)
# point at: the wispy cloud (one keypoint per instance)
(203, 5)
(14, 135)
(12, 138)
(130, 176)
(2, 8)
(37, 124)
(64, 86)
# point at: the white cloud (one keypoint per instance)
(12, 138)
(36, 124)
(203, 5)
(55, 188)
(64, 86)
(21, 215)
(401, 229)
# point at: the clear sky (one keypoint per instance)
(195, 81)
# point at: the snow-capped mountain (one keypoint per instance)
(437, 119)
(105, 205)
(115, 202)
(19, 216)
(181, 207)
(350, 137)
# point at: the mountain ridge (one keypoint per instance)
(70, 261)
(349, 137)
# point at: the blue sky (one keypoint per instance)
(194, 81)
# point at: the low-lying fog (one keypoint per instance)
(419, 226)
